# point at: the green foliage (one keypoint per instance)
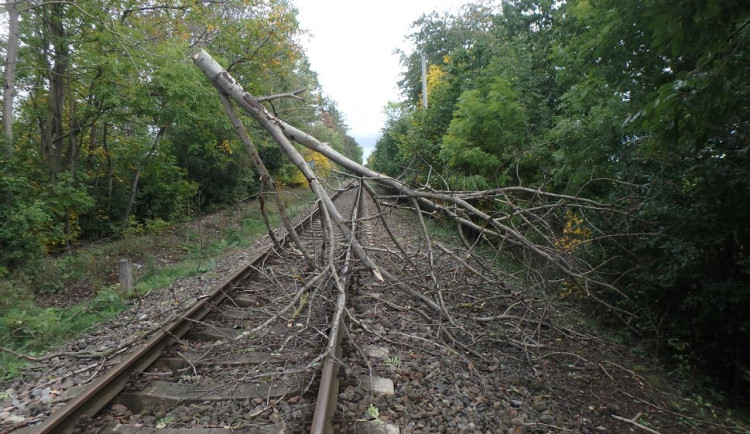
(487, 132)
(390, 155)
(644, 103)
(587, 139)
(82, 144)
(32, 330)
(38, 217)
(684, 109)
(12, 294)
(394, 361)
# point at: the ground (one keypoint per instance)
(523, 360)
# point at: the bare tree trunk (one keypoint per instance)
(226, 83)
(110, 174)
(137, 175)
(93, 136)
(10, 75)
(73, 143)
(265, 179)
(52, 141)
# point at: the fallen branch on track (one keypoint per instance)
(520, 221)
(266, 181)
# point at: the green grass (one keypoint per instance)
(164, 254)
(165, 276)
(31, 330)
(445, 232)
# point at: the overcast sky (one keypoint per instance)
(350, 45)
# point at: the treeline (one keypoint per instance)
(114, 129)
(644, 103)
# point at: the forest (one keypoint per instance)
(109, 128)
(642, 104)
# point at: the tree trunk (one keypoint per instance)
(265, 179)
(137, 175)
(110, 173)
(10, 76)
(230, 87)
(73, 143)
(52, 141)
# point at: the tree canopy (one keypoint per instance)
(113, 128)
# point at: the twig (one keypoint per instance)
(292, 94)
(456, 257)
(634, 423)
(303, 290)
(666, 410)
(606, 373)
(19, 355)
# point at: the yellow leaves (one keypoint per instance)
(298, 179)
(319, 163)
(569, 289)
(226, 147)
(434, 77)
(574, 233)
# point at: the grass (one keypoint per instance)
(161, 254)
(31, 329)
(445, 232)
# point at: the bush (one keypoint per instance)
(38, 218)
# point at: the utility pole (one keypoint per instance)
(424, 81)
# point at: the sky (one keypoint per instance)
(351, 46)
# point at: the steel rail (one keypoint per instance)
(328, 393)
(102, 391)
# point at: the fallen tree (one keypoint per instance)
(521, 219)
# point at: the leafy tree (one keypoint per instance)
(114, 125)
(597, 98)
(487, 132)
(387, 157)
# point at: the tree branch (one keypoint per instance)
(292, 94)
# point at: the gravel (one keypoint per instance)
(534, 368)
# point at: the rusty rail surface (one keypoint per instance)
(325, 404)
(107, 387)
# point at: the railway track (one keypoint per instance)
(248, 357)
(253, 355)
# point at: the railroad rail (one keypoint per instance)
(221, 323)
(509, 358)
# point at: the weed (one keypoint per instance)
(156, 226)
(14, 294)
(11, 366)
(164, 422)
(372, 414)
(31, 330)
(394, 361)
